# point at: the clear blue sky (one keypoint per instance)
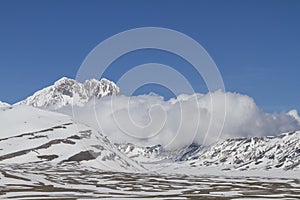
(255, 44)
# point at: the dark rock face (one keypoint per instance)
(83, 155)
(48, 157)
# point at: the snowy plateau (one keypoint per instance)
(41, 148)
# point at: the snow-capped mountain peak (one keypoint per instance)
(67, 91)
(98, 89)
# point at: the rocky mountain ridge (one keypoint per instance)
(67, 91)
(270, 152)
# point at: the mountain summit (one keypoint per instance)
(67, 91)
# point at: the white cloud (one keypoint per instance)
(294, 113)
(178, 122)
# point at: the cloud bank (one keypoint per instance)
(199, 118)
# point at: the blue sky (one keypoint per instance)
(255, 44)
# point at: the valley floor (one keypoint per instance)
(44, 181)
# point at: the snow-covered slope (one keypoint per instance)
(282, 151)
(143, 154)
(3, 104)
(32, 135)
(70, 92)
